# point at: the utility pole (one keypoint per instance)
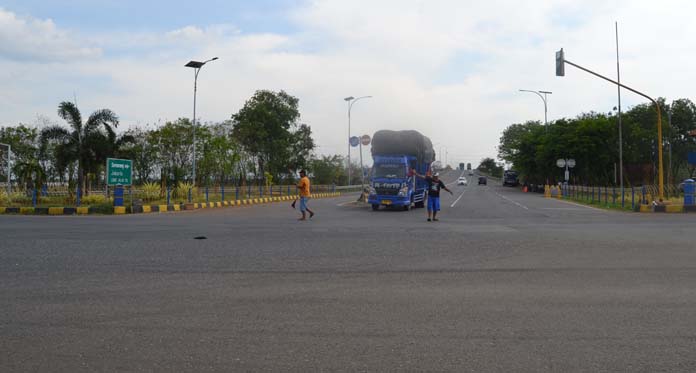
(618, 88)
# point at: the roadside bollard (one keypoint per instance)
(77, 202)
(222, 192)
(236, 193)
(633, 199)
(169, 195)
(189, 195)
(689, 192)
(206, 195)
(33, 197)
(248, 191)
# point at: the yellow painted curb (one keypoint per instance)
(256, 200)
(147, 208)
(82, 210)
(55, 210)
(645, 208)
(674, 208)
(163, 208)
(177, 207)
(26, 210)
(119, 210)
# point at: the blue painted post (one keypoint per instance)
(236, 193)
(169, 195)
(78, 197)
(222, 191)
(642, 198)
(33, 197)
(44, 190)
(260, 191)
(206, 195)
(606, 196)
(333, 188)
(189, 195)
(613, 194)
(599, 194)
(633, 199)
(288, 189)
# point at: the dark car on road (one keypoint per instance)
(482, 180)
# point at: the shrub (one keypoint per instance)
(93, 199)
(181, 191)
(149, 192)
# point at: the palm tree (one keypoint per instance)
(87, 144)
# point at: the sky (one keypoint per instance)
(451, 69)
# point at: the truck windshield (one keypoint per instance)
(389, 170)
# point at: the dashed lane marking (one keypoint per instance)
(511, 201)
(458, 198)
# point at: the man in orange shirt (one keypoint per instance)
(303, 187)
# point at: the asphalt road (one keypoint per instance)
(506, 281)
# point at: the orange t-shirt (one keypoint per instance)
(304, 186)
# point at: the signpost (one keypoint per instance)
(364, 140)
(119, 171)
(567, 163)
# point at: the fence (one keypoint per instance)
(613, 196)
(62, 195)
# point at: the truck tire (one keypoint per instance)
(375, 207)
(407, 207)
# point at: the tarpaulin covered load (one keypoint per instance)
(386, 142)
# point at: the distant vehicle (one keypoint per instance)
(510, 178)
(482, 180)
(471, 173)
(462, 181)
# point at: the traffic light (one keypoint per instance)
(560, 63)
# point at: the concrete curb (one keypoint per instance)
(145, 209)
(666, 209)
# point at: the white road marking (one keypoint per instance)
(458, 198)
(514, 202)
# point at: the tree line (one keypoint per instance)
(592, 139)
(263, 143)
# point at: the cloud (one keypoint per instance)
(450, 69)
(33, 40)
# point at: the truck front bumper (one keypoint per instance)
(388, 200)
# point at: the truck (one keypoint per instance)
(394, 155)
(510, 178)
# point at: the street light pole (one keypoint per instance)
(544, 99)
(351, 100)
(197, 68)
(9, 186)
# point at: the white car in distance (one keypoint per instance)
(462, 181)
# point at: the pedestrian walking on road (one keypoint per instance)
(303, 187)
(434, 187)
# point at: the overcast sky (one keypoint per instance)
(450, 69)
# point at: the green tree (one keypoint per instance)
(88, 144)
(329, 169)
(489, 166)
(267, 127)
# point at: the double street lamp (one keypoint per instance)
(196, 65)
(543, 98)
(351, 100)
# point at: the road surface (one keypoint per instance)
(506, 281)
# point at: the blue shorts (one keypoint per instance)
(303, 203)
(433, 203)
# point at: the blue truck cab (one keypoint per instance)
(393, 184)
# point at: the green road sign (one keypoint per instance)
(119, 171)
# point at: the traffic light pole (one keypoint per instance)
(661, 180)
